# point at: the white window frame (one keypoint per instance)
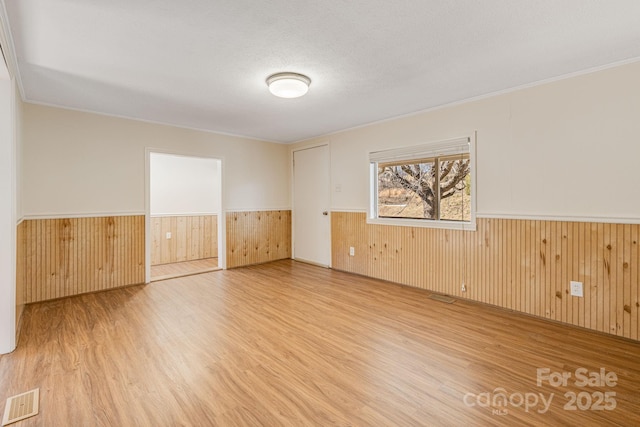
(447, 147)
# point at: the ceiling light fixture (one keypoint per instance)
(288, 85)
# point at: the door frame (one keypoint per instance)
(222, 229)
(321, 143)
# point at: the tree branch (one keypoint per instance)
(461, 172)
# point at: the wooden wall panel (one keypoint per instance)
(192, 238)
(257, 237)
(71, 256)
(524, 265)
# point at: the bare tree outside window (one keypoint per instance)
(435, 189)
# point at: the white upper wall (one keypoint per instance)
(566, 149)
(181, 185)
(18, 105)
(7, 213)
(78, 163)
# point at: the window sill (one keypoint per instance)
(448, 225)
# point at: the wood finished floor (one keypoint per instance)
(185, 268)
(291, 344)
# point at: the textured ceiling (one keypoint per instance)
(203, 63)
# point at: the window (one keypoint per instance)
(428, 185)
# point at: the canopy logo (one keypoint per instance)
(499, 400)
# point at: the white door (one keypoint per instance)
(311, 221)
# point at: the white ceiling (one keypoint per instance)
(203, 63)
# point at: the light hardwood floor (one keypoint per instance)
(291, 344)
(185, 268)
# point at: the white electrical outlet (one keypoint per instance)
(338, 188)
(463, 288)
(352, 251)
(576, 289)
(168, 234)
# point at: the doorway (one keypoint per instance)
(311, 200)
(184, 231)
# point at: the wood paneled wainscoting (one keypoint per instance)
(192, 238)
(257, 237)
(523, 265)
(70, 256)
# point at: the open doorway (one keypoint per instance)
(183, 215)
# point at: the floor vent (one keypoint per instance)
(21, 406)
(442, 298)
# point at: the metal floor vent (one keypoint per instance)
(442, 298)
(21, 406)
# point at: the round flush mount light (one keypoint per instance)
(288, 85)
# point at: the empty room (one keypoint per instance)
(414, 213)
